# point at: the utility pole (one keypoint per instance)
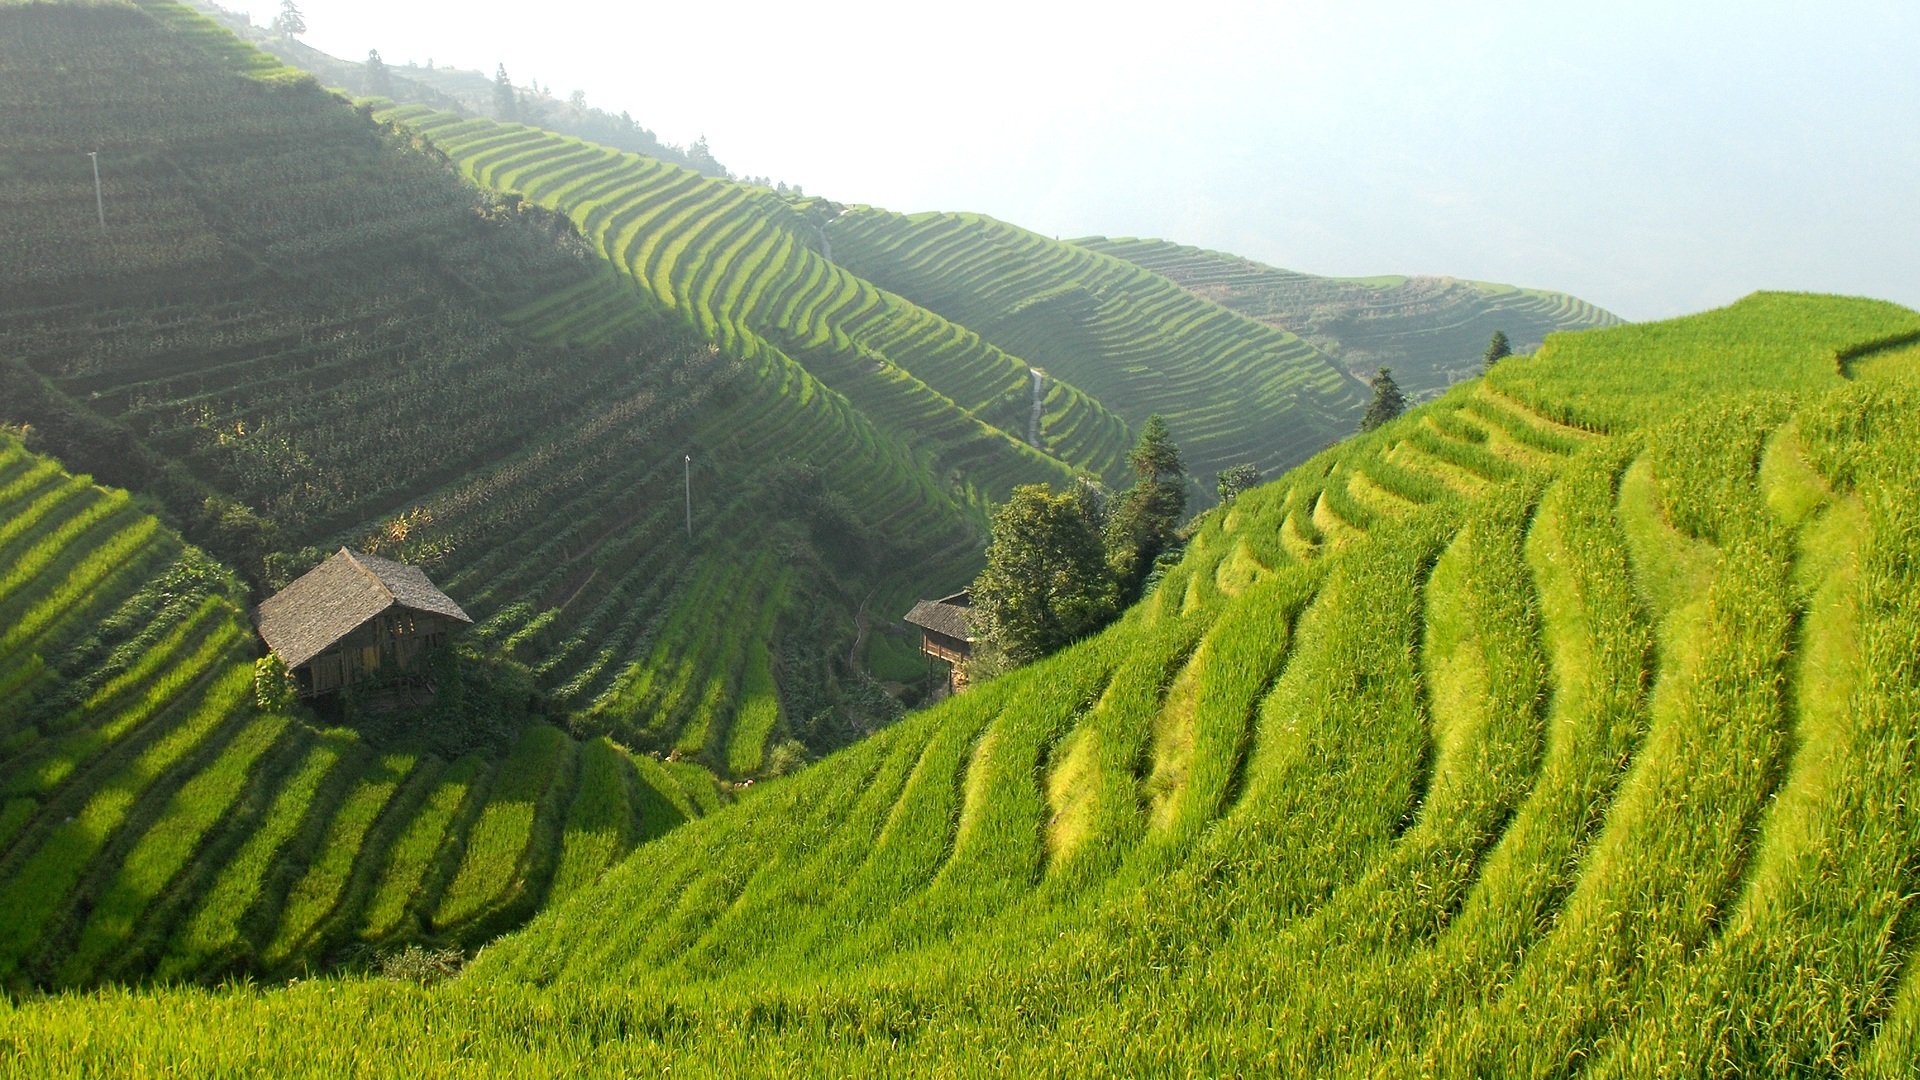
(689, 496)
(99, 201)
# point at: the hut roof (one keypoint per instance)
(947, 615)
(327, 602)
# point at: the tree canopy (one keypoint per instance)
(1046, 582)
(1154, 458)
(1388, 402)
(379, 80)
(701, 158)
(506, 103)
(1230, 482)
(1062, 565)
(1144, 520)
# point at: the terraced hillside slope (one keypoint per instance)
(1432, 331)
(751, 270)
(300, 330)
(156, 822)
(1565, 725)
(1233, 390)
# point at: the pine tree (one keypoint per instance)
(1154, 458)
(700, 157)
(1498, 349)
(1146, 517)
(289, 23)
(506, 103)
(1388, 402)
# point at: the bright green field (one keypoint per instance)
(155, 822)
(1566, 725)
(1485, 744)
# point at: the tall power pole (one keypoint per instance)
(99, 201)
(689, 496)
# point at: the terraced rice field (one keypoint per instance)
(745, 269)
(1231, 389)
(1565, 725)
(1551, 728)
(301, 331)
(153, 820)
(1431, 331)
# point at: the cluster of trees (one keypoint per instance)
(379, 79)
(780, 186)
(537, 106)
(506, 100)
(1061, 565)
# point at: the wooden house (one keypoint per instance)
(945, 633)
(355, 615)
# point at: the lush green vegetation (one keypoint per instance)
(1431, 331)
(156, 821)
(1235, 390)
(1564, 724)
(746, 268)
(1484, 743)
(301, 330)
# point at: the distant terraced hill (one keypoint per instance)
(155, 822)
(1231, 389)
(300, 331)
(1431, 331)
(1564, 726)
(747, 268)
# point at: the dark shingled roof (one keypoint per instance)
(327, 602)
(947, 615)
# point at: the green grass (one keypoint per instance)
(1603, 759)
(600, 821)
(1566, 724)
(255, 346)
(156, 823)
(497, 844)
(1131, 338)
(316, 892)
(413, 852)
(161, 853)
(215, 929)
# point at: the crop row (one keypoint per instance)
(740, 266)
(384, 358)
(1482, 821)
(1430, 331)
(161, 822)
(1232, 389)
(1567, 748)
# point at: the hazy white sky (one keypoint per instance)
(1654, 158)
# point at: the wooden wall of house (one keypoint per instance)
(395, 638)
(941, 647)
